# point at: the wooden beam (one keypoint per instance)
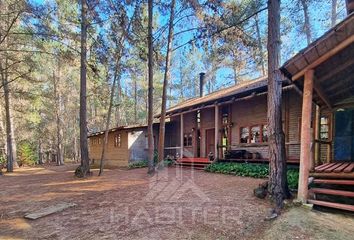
(216, 155)
(322, 95)
(317, 135)
(182, 137)
(305, 147)
(324, 57)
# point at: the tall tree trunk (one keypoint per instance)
(40, 151)
(10, 136)
(59, 137)
(260, 46)
(277, 160)
(307, 27)
(150, 134)
(135, 101)
(105, 140)
(84, 168)
(334, 13)
(10, 151)
(161, 145)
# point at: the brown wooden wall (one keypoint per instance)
(115, 156)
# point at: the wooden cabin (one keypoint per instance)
(126, 145)
(234, 119)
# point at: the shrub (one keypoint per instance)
(27, 154)
(144, 163)
(252, 170)
(139, 164)
(293, 178)
(240, 169)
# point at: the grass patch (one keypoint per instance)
(252, 170)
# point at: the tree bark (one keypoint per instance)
(161, 145)
(260, 46)
(334, 13)
(151, 168)
(58, 108)
(277, 160)
(109, 113)
(307, 28)
(84, 168)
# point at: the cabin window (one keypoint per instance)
(99, 141)
(324, 128)
(117, 140)
(187, 140)
(255, 134)
(245, 134)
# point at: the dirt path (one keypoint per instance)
(127, 204)
(175, 204)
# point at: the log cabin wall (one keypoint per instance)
(246, 114)
(253, 112)
(117, 154)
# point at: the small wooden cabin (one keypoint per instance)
(125, 145)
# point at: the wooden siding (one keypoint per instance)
(115, 156)
(248, 113)
(254, 112)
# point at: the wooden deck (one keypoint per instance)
(336, 167)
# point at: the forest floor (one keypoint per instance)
(174, 204)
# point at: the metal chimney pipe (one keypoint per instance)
(201, 83)
(350, 6)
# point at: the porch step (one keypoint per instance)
(196, 163)
(332, 192)
(334, 181)
(341, 206)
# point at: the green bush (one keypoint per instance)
(140, 164)
(27, 154)
(293, 178)
(252, 170)
(240, 169)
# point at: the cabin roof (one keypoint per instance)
(246, 87)
(331, 57)
(131, 127)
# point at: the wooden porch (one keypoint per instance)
(324, 73)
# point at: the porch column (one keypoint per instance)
(216, 130)
(305, 149)
(182, 137)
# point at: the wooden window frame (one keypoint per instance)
(329, 124)
(118, 140)
(261, 125)
(186, 142)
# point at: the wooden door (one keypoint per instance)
(210, 141)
